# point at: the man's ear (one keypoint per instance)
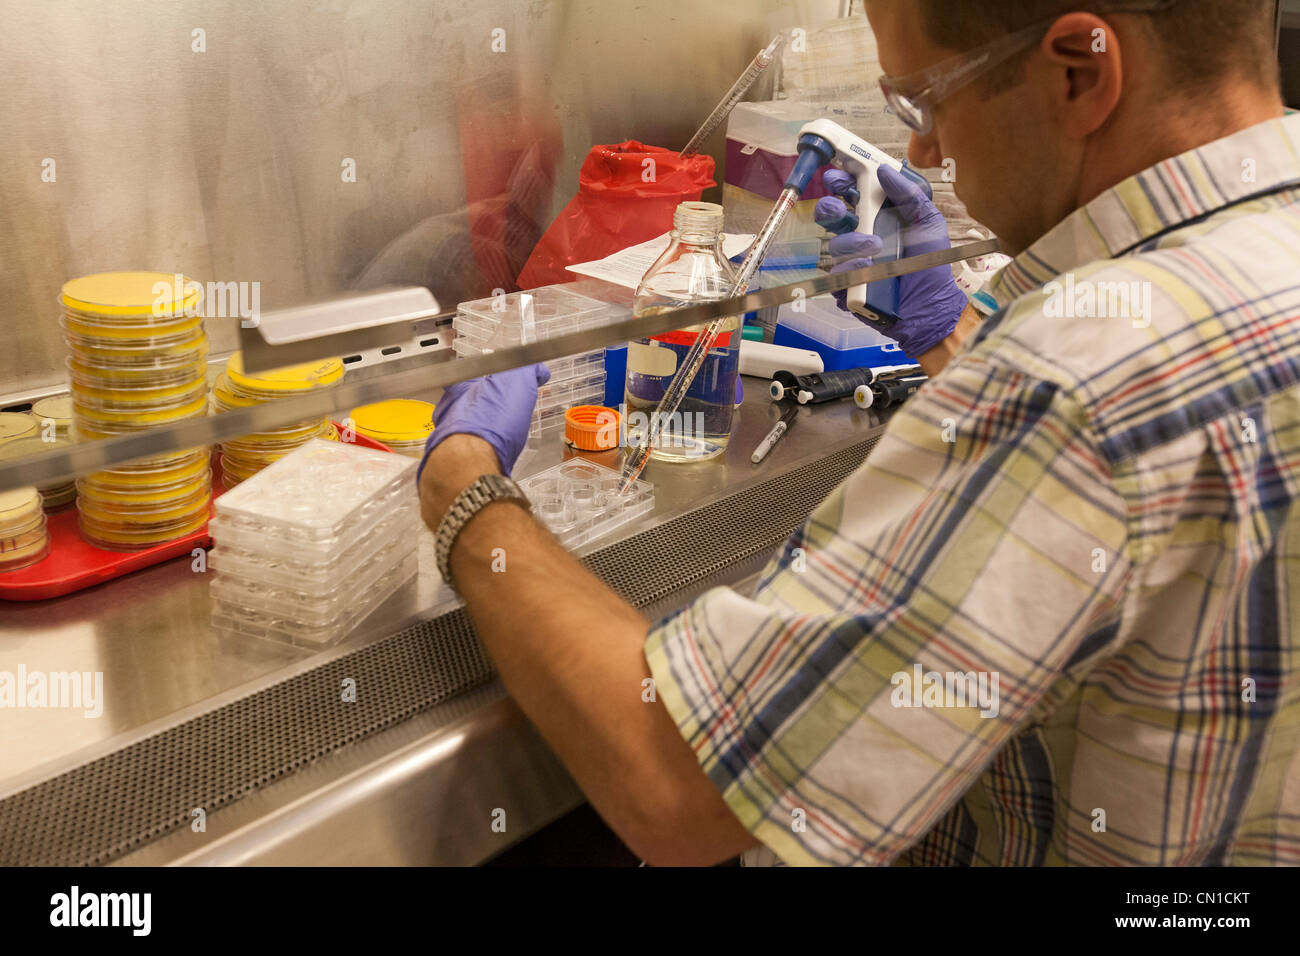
(1087, 71)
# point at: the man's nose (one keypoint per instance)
(923, 151)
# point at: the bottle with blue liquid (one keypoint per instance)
(692, 269)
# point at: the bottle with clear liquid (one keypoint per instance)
(692, 269)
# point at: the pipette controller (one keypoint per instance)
(821, 142)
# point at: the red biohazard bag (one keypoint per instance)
(627, 193)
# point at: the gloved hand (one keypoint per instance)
(929, 302)
(497, 408)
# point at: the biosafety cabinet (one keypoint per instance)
(307, 194)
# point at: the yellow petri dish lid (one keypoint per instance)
(398, 419)
(291, 378)
(131, 294)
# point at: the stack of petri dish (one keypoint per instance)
(137, 360)
(243, 457)
(23, 536)
(403, 424)
(53, 497)
(52, 428)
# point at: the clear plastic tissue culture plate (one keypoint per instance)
(322, 492)
(579, 501)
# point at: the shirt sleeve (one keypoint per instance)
(920, 616)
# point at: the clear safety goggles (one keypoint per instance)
(913, 97)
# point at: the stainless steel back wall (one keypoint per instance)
(210, 137)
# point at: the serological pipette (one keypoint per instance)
(738, 89)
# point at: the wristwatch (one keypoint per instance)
(468, 503)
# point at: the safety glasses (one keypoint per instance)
(913, 97)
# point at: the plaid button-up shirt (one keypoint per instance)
(1053, 618)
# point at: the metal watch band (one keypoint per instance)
(468, 503)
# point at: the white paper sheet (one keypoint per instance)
(626, 268)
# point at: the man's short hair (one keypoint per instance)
(1203, 41)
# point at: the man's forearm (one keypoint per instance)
(934, 361)
(570, 651)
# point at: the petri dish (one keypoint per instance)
(132, 514)
(100, 375)
(115, 333)
(142, 417)
(16, 425)
(121, 537)
(20, 510)
(57, 409)
(146, 497)
(25, 548)
(162, 472)
(281, 381)
(399, 419)
(131, 296)
(132, 398)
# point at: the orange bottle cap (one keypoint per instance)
(591, 427)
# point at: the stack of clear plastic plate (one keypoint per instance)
(502, 321)
(310, 545)
(138, 360)
(243, 457)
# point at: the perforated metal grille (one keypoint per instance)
(101, 810)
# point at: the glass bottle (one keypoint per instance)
(692, 269)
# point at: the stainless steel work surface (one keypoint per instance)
(165, 669)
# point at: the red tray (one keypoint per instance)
(73, 563)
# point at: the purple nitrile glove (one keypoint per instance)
(497, 408)
(929, 302)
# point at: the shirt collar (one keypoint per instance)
(1260, 159)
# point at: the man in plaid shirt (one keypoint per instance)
(1050, 620)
